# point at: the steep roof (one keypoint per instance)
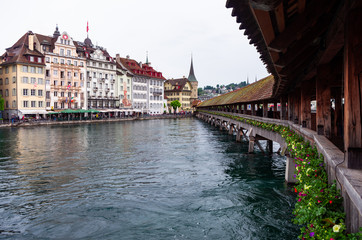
(20, 51)
(178, 85)
(192, 77)
(257, 91)
(140, 70)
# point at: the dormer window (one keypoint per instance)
(31, 59)
(39, 60)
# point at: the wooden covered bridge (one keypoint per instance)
(313, 50)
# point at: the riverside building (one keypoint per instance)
(179, 89)
(65, 72)
(123, 85)
(22, 79)
(100, 76)
(145, 80)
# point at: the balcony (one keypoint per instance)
(95, 89)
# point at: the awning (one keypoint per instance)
(33, 112)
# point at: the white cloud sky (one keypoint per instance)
(170, 30)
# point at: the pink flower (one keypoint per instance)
(299, 199)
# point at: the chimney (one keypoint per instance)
(118, 57)
(31, 41)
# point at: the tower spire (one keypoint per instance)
(192, 77)
(56, 32)
(147, 57)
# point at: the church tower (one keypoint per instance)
(194, 83)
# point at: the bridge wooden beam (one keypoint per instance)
(323, 94)
(353, 87)
(305, 99)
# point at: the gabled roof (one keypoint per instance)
(178, 84)
(257, 91)
(20, 51)
(141, 70)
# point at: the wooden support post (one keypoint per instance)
(323, 95)
(353, 88)
(289, 171)
(290, 107)
(231, 130)
(275, 109)
(265, 109)
(296, 107)
(251, 144)
(338, 113)
(283, 108)
(238, 134)
(253, 112)
(259, 146)
(245, 108)
(305, 99)
(270, 146)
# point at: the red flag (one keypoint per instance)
(87, 27)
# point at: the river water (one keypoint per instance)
(155, 179)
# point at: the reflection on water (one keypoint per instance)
(156, 179)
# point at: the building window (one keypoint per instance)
(6, 93)
(40, 104)
(14, 79)
(40, 70)
(47, 59)
(69, 94)
(32, 92)
(55, 60)
(32, 80)
(55, 72)
(39, 60)
(40, 93)
(14, 68)
(61, 53)
(62, 94)
(47, 104)
(25, 80)
(81, 64)
(14, 92)
(6, 81)
(47, 94)
(33, 104)
(75, 63)
(32, 69)
(55, 94)
(61, 61)
(69, 62)
(55, 105)
(69, 53)
(88, 84)
(14, 104)
(25, 104)
(75, 94)
(40, 81)
(62, 105)
(25, 92)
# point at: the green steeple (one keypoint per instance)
(192, 77)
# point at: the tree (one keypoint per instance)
(175, 104)
(200, 91)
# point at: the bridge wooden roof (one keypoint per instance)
(258, 91)
(293, 37)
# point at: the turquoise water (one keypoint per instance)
(155, 179)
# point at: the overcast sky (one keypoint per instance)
(170, 30)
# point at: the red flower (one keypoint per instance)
(330, 201)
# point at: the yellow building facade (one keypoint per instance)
(179, 89)
(22, 82)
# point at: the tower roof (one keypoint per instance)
(56, 32)
(192, 77)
